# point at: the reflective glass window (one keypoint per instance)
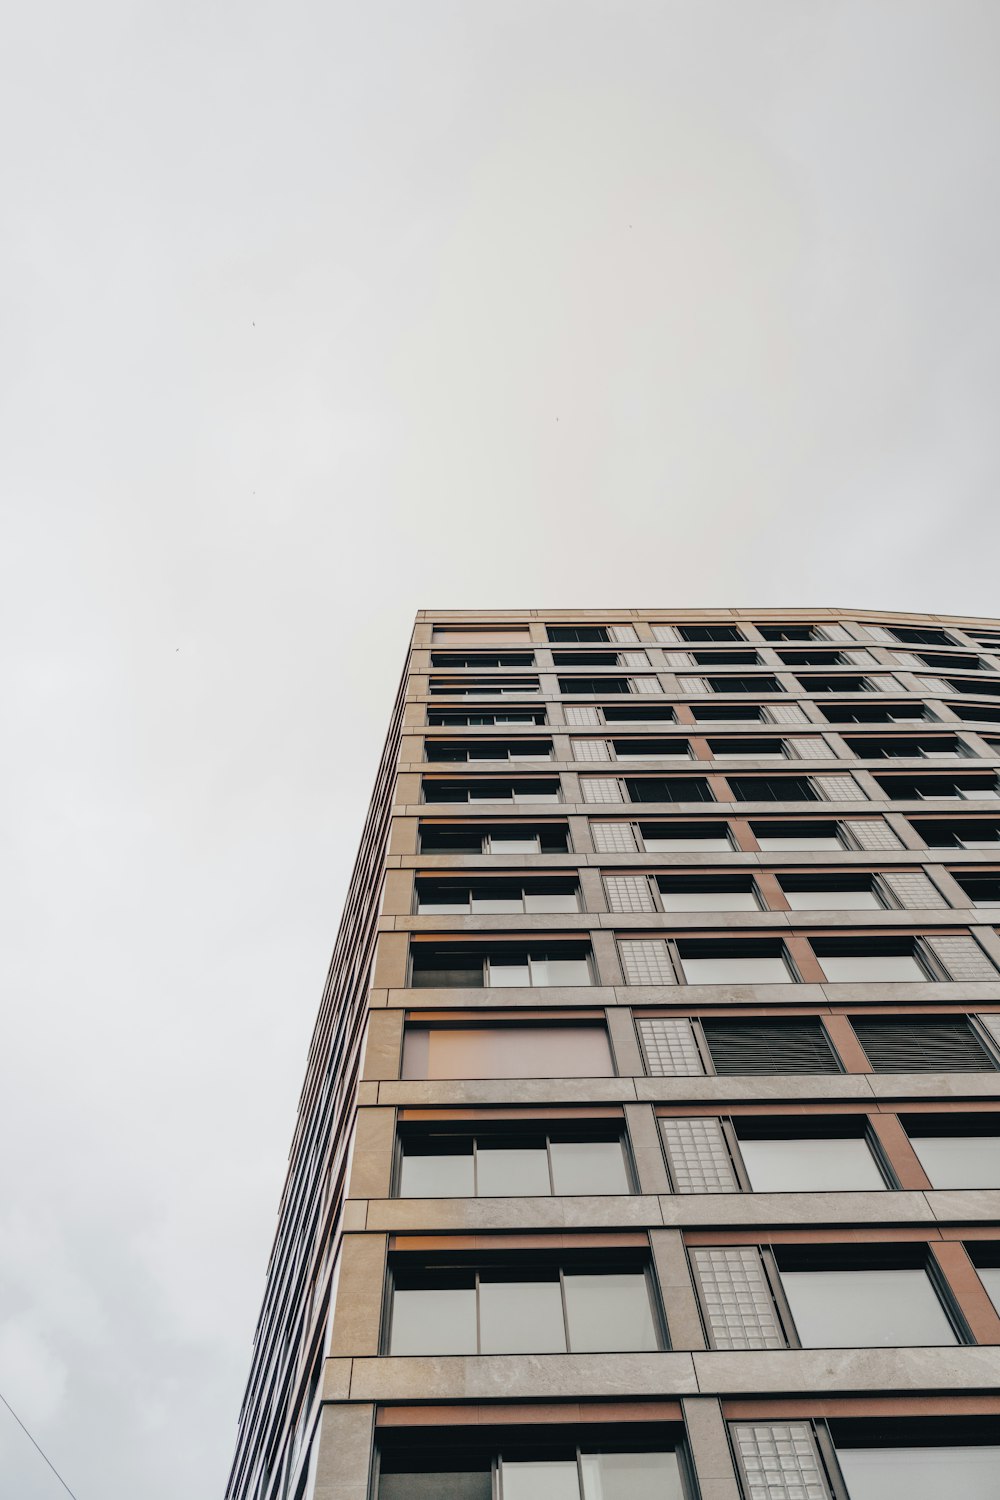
(959, 1161)
(921, 1473)
(866, 1309)
(521, 1317)
(609, 1311)
(810, 1165)
(588, 1167)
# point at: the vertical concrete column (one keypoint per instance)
(710, 1450)
(677, 1289)
(357, 1316)
(644, 1135)
(606, 957)
(625, 1043)
(344, 1458)
(592, 891)
(371, 1160)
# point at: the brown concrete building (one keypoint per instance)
(649, 1147)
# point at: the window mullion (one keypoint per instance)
(732, 1141)
(565, 1310)
(781, 1306)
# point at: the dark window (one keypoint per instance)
(640, 713)
(585, 658)
(818, 833)
(577, 632)
(502, 838)
(909, 636)
(771, 789)
(727, 658)
(482, 687)
(875, 713)
(735, 961)
(668, 789)
(840, 892)
(978, 713)
(791, 633)
(793, 1046)
(709, 633)
(451, 965)
(967, 833)
(459, 751)
(828, 658)
(708, 893)
(969, 786)
(760, 684)
(682, 838)
(950, 663)
(984, 687)
(750, 712)
(744, 749)
(491, 791)
(931, 1045)
(482, 659)
(593, 686)
(982, 890)
(484, 897)
(842, 684)
(640, 749)
(487, 717)
(905, 747)
(872, 960)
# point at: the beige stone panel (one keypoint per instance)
(522, 1377)
(383, 1047)
(357, 1316)
(796, 1208)
(764, 1372)
(647, 1152)
(762, 1086)
(959, 1205)
(344, 1452)
(624, 1044)
(403, 836)
(390, 960)
(371, 1161)
(507, 1090)
(472, 1215)
(397, 897)
(709, 1443)
(679, 1302)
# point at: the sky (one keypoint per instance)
(312, 316)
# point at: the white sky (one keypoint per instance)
(314, 315)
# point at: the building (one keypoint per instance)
(649, 1147)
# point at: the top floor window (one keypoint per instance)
(710, 633)
(596, 633)
(909, 635)
(875, 713)
(479, 635)
(744, 658)
(791, 632)
(762, 684)
(460, 751)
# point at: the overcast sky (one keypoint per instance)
(317, 314)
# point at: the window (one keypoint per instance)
(570, 1160)
(591, 659)
(956, 1150)
(760, 684)
(821, 834)
(479, 635)
(482, 687)
(708, 893)
(908, 635)
(857, 1306)
(935, 1044)
(791, 632)
(950, 662)
(668, 789)
(570, 1050)
(726, 658)
(488, 749)
(792, 1161)
(515, 1308)
(577, 633)
(841, 892)
(972, 786)
(982, 890)
(759, 1046)
(814, 658)
(986, 1259)
(772, 789)
(900, 747)
(503, 838)
(978, 713)
(839, 684)
(531, 1464)
(761, 961)
(491, 791)
(922, 1471)
(972, 833)
(641, 713)
(593, 686)
(488, 717)
(731, 712)
(683, 838)
(978, 689)
(636, 749)
(880, 960)
(759, 749)
(482, 659)
(709, 633)
(450, 965)
(875, 713)
(482, 897)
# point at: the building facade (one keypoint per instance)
(649, 1147)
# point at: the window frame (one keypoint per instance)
(559, 1132)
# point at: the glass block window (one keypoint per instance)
(908, 660)
(622, 633)
(737, 1299)
(613, 838)
(914, 890)
(786, 713)
(591, 750)
(962, 957)
(837, 633)
(669, 1047)
(697, 1155)
(935, 685)
(635, 659)
(581, 713)
(877, 633)
(992, 1025)
(840, 789)
(779, 1461)
(646, 961)
(812, 747)
(678, 658)
(872, 833)
(859, 658)
(646, 685)
(692, 685)
(601, 789)
(629, 893)
(665, 633)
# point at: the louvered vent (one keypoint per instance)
(926, 1046)
(770, 1047)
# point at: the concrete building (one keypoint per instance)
(649, 1147)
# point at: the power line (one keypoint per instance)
(31, 1440)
